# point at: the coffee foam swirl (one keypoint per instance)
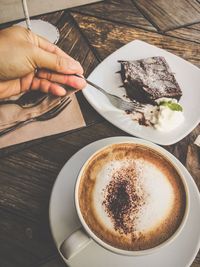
(126, 196)
(131, 197)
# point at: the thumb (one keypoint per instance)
(54, 62)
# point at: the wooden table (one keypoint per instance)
(28, 171)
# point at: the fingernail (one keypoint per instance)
(76, 66)
(62, 92)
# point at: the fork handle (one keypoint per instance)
(7, 102)
(15, 126)
(92, 84)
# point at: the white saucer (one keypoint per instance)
(44, 29)
(64, 220)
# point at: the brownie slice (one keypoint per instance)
(148, 79)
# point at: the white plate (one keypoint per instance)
(64, 220)
(187, 75)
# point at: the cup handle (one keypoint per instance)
(74, 243)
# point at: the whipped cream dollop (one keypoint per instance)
(164, 118)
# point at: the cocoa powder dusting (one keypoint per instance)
(123, 200)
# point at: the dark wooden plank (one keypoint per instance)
(106, 37)
(71, 40)
(190, 33)
(196, 262)
(55, 261)
(27, 178)
(180, 150)
(193, 162)
(52, 18)
(123, 12)
(170, 14)
(19, 236)
(89, 63)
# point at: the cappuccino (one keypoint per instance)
(131, 197)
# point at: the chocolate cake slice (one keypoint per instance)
(148, 79)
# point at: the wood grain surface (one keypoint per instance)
(190, 33)
(170, 14)
(115, 11)
(105, 37)
(28, 171)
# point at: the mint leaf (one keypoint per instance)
(171, 105)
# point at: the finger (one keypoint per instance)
(15, 86)
(44, 59)
(26, 82)
(52, 48)
(9, 88)
(48, 87)
(70, 80)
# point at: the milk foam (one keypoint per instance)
(151, 182)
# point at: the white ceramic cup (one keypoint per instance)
(84, 235)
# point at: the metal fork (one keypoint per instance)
(116, 100)
(50, 114)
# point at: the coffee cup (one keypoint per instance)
(130, 198)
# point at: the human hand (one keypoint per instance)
(22, 53)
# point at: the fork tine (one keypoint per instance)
(117, 101)
(62, 102)
(124, 105)
(55, 111)
(65, 104)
